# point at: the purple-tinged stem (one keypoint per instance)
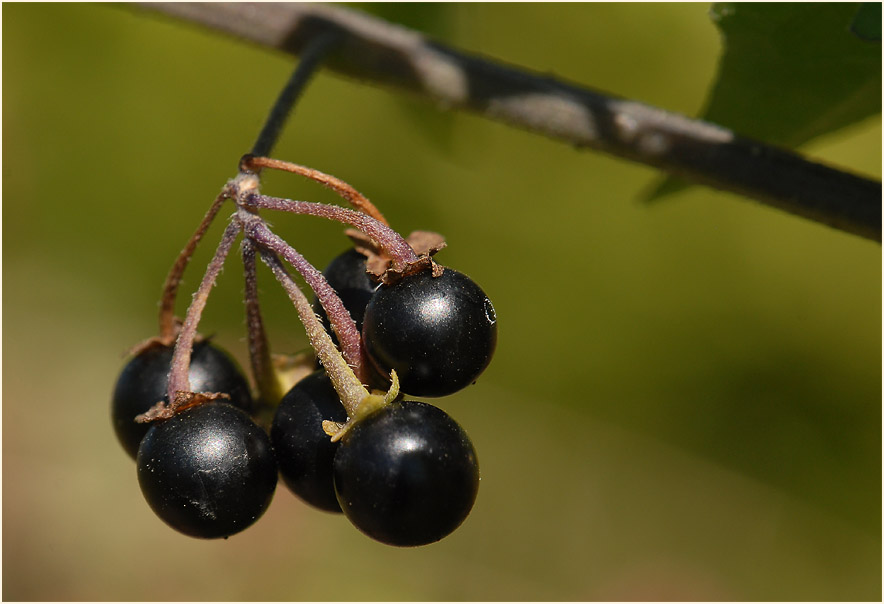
(179, 376)
(173, 279)
(347, 385)
(388, 240)
(341, 188)
(339, 317)
(269, 389)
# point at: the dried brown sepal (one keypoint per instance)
(376, 261)
(148, 344)
(156, 341)
(183, 400)
(423, 263)
(424, 243)
(165, 342)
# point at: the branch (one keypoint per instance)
(379, 52)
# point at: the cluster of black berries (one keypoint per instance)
(343, 438)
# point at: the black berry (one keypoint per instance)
(304, 452)
(207, 472)
(438, 333)
(145, 378)
(407, 474)
(346, 275)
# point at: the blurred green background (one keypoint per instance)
(685, 402)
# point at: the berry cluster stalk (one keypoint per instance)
(259, 238)
(341, 188)
(400, 253)
(350, 390)
(340, 319)
(269, 388)
(173, 280)
(314, 52)
(179, 379)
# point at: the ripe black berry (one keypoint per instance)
(407, 474)
(438, 333)
(145, 378)
(346, 274)
(304, 452)
(207, 472)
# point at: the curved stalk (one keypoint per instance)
(173, 279)
(347, 385)
(269, 389)
(339, 317)
(179, 376)
(388, 240)
(344, 190)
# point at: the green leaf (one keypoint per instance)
(792, 71)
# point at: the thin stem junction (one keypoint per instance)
(344, 190)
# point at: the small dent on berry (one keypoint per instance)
(490, 313)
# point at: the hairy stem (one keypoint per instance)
(269, 388)
(398, 250)
(179, 376)
(173, 279)
(344, 190)
(341, 321)
(347, 385)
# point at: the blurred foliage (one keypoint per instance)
(791, 72)
(685, 402)
(867, 22)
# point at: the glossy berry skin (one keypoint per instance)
(438, 333)
(407, 474)
(145, 378)
(346, 274)
(208, 472)
(304, 452)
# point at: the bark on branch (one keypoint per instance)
(378, 52)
